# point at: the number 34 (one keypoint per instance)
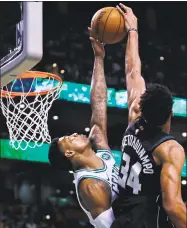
(131, 179)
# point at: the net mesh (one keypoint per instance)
(26, 116)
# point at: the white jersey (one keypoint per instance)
(108, 174)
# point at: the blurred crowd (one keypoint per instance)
(72, 51)
(24, 216)
(30, 216)
(163, 52)
(48, 201)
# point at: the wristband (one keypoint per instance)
(132, 29)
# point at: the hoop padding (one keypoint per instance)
(26, 112)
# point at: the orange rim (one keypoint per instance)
(33, 74)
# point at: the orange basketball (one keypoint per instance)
(108, 25)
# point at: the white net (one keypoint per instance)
(26, 115)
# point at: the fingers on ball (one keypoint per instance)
(120, 10)
(125, 8)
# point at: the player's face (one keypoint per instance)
(74, 142)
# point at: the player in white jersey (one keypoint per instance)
(95, 170)
(109, 175)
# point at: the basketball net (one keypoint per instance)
(26, 112)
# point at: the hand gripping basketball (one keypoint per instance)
(129, 17)
(98, 47)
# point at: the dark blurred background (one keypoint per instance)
(33, 194)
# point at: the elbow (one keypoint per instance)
(133, 61)
(169, 203)
(133, 67)
(169, 208)
(172, 208)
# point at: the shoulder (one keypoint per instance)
(95, 196)
(104, 154)
(94, 192)
(170, 148)
(170, 152)
(90, 186)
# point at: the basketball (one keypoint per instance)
(108, 25)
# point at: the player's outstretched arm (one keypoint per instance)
(134, 81)
(98, 96)
(172, 159)
(96, 197)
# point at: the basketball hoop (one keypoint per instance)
(25, 103)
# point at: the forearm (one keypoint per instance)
(98, 94)
(98, 78)
(132, 58)
(178, 215)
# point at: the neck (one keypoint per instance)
(166, 129)
(167, 126)
(88, 160)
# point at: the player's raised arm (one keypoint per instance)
(98, 96)
(172, 158)
(134, 81)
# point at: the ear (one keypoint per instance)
(69, 153)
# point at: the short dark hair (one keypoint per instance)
(56, 157)
(156, 104)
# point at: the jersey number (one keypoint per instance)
(131, 179)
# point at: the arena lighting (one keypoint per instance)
(58, 191)
(54, 65)
(183, 47)
(87, 129)
(47, 217)
(71, 192)
(62, 71)
(184, 182)
(161, 58)
(70, 171)
(79, 93)
(55, 117)
(184, 134)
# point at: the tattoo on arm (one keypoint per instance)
(99, 96)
